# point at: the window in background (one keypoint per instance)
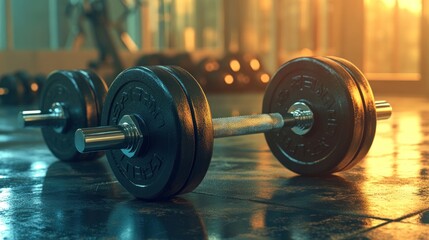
(3, 37)
(392, 39)
(249, 27)
(182, 25)
(30, 35)
(209, 24)
(304, 28)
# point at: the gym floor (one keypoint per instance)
(246, 194)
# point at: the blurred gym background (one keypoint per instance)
(227, 44)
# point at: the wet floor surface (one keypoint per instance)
(246, 194)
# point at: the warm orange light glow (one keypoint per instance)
(211, 66)
(4, 91)
(242, 78)
(34, 87)
(189, 36)
(394, 157)
(266, 5)
(265, 78)
(387, 3)
(254, 64)
(229, 79)
(414, 6)
(235, 113)
(129, 42)
(234, 65)
(257, 220)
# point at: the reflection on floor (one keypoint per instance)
(246, 193)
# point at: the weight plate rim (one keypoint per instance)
(79, 87)
(26, 80)
(88, 99)
(98, 89)
(150, 77)
(170, 79)
(337, 157)
(10, 82)
(359, 118)
(370, 125)
(203, 126)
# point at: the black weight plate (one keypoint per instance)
(25, 79)
(14, 88)
(210, 75)
(76, 96)
(40, 80)
(331, 93)
(99, 90)
(370, 121)
(156, 97)
(203, 127)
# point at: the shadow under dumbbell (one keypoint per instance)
(173, 219)
(82, 198)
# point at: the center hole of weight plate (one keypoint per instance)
(133, 128)
(304, 118)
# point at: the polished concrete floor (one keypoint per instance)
(247, 194)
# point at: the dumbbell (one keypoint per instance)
(210, 76)
(319, 117)
(69, 100)
(19, 88)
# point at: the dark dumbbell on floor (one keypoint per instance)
(319, 117)
(70, 100)
(20, 88)
(211, 77)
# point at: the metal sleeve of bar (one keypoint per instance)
(383, 110)
(96, 139)
(35, 118)
(56, 117)
(127, 136)
(243, 125)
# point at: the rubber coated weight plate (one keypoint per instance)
(25, 80)
(75, 95)
(99, 92)
(331, 93)
(99, 88)
(211, 74)
(370, 121)
(203, 127)
(163, 168)
(40, 80)
(190, 146)
(14, 89)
